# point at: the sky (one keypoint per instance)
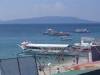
(20, 9)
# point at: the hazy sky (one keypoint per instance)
(16, 9)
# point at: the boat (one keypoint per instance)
(50, 31)
(84, 30)
(65, 38)
(44, 48)
(53, 32)
(84, 46)
(50, 49)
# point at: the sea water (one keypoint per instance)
(13, 34)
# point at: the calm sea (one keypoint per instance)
(13, 34)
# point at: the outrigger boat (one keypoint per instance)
(44, 48)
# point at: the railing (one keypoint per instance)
(19, 66)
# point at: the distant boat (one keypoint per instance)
(81, 30)
(65, 38)
(52, 32)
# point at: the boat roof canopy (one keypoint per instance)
(48, 45)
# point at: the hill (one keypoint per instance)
(48, 20)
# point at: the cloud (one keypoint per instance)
(56, 9)
(34, 10)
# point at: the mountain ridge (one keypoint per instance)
(48, 20)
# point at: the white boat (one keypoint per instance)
(86, 44)
(44, 48)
